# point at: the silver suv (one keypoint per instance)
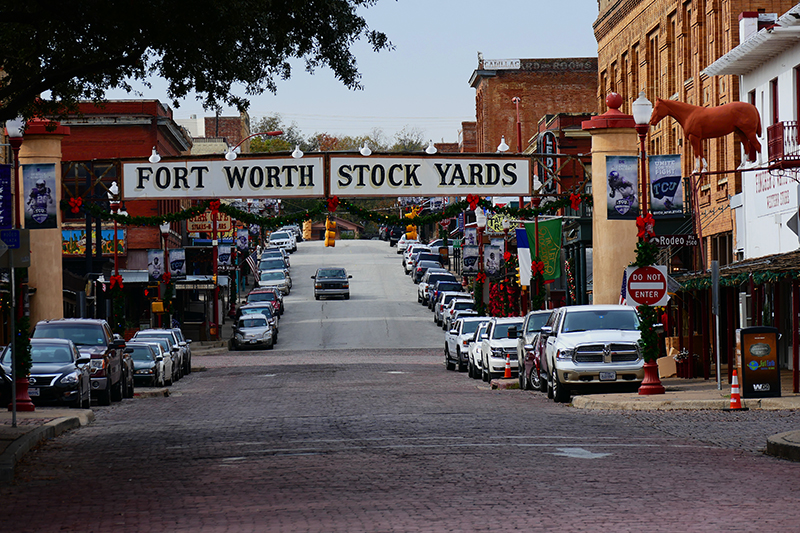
(252, 331)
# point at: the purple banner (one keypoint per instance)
(6, 214)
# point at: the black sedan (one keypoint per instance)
(59, 374)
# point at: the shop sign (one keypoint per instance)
(663, 241)
(205, 223)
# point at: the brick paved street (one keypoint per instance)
(390, 441)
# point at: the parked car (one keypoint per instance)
(272, 253)
(592, 346)
(187, 352)
(169, 350)
(111, 369)
(498, 345)
(443, 285)
(59, 373)
(456, 304)
(474, 351)
(149, 367)
(174, 346)
(263, 308)
(167, 367)
(404, 242)
(252, 331)
(431, 277)
(264, 294)
(276, 279)
(529, 351)
(395, 232)
(273, 263)
(457, 341)
(283, 239)
(443, 300)
(409, 253)
(294, 228)
(421, 267)
(331, 281)
(423, 255)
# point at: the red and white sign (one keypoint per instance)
(647, 286)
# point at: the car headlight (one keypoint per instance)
(71, 378)
(240, 336)
(565, 354)
(497, 352)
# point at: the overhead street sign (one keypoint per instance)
(18, 248)
(647, 286)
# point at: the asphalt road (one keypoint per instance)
(335, 437)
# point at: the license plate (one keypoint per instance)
(253, 341)
(608, 376)
(33, 391)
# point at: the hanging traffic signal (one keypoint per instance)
(330, 232)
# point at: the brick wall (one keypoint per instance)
(545, 86)
(662, 47)
(233, 129)
(469, 137)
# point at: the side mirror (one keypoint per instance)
(484, 336)
(528, 347)
(512, 332)
(547, 330)
(453, 332)
(659, 328)
(349, 276)
(159, 358)
(83, 360)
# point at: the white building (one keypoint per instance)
(767, 62)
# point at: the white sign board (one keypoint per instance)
(210, 179)
(773, 194)
(429, 176)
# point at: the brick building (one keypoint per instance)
(544, 86)
(661, 47)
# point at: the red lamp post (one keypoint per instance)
(516, 100)
(642, 110)
(480, 224)
(230, 155)
(164, 228)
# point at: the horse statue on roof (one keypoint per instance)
(700, 123)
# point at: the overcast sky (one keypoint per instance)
(423, 83)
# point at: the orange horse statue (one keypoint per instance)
(700, 123)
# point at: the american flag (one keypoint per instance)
(623, 294)
(251, 260)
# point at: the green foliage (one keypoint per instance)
(646, 253)
(79, 49)
(648, 342)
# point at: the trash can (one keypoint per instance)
(757, 362)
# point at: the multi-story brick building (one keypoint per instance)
(544, 86)
(661, 47)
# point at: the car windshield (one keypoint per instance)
(448, 287)
(272, 264)
(142, 353)
(463, 304)
(535, 322)
(469, 327)
(80, 334)
(501, 330)
(278, 236)
(261, 297)
(50, 354)
(625, 320)
(161, 342)
(326, 273)
(165, 336)
(265, 310)
(254, 322)
(272, 276)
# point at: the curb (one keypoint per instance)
(785, 445)
(17, 449)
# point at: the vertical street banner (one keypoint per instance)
(241, 239)
(470, 259)
(666, 186)
(549, 246)
(491, 259)
(39, 192)
(622, 187)
(177, 263)
(224, 255)
(155, 264)
(6, 214)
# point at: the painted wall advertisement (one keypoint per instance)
(39, 190)
(73, 241)
(622, 187)
(666, 186)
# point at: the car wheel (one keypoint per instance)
(523, 382)
(535, 379)
(168, 382)
(316, 296)
(447, 363)
(116, 391)
(104, 397)
(270, 346)
(87, 403)
(346, 296)
(560, 391)
(484, 374)
(461, 366)
(469, 369)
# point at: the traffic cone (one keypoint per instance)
(736, 400)
(507, 374)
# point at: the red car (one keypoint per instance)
(273, 296)
(530, 351)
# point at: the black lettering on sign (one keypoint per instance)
(475, 173)
(411, 175)
(143, 174)
(392, 170)
(199, 171)
(180, 178)
(442, 173)
(510, 172)
(237, 177)
(273, 174)
(361, 169)
(288, 170)
(256, 178)
(378, 175)
(163, 178)
(306, 173)
(345, 179)
(492, 174)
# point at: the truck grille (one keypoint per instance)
(606, 353)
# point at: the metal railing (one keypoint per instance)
(783, 146)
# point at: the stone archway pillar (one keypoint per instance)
(613, 241)
(45, 273)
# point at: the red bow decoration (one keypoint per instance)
(473, 200)
(167, 277)
(575, 200)
(645, 225)
(214, 205)
(115, 280)
(75, 204)
(481, 277)
(507, 257)
(537, 267)
(333, 203)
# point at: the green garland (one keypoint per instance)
(649, 338)
(22, 348)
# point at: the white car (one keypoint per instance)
(457, 341)
(456, 304)
(283, 239)
(167, 371)
(591, 346)
(443, 300)
(474, 351)
(497, 347)
(404, 243)
(434, 274)
(410, 251)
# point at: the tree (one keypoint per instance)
(291, 136)
(78, 49)
(408, 140)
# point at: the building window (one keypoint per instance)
(74, 177)
(722, 248)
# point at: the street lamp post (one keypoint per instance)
(164, 228)
(480, 224)
(231, 154)
(642, 110)
(516, 100)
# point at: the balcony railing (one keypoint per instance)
(783, 146)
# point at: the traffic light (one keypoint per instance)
(330, 232)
